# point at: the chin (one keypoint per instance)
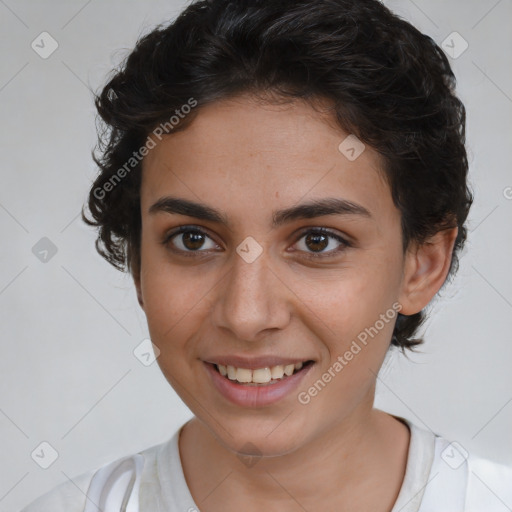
(268, 437)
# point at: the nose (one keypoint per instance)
(252, 300)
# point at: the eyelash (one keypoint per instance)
(184, 229)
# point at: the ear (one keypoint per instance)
(425, 270)
(136, 280)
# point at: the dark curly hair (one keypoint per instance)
(385, 82)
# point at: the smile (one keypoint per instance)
(257, 387)
(267, 375)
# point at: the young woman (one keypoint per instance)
(286, 183)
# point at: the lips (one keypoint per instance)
(259, 375)
(253, 363)
(252, 394)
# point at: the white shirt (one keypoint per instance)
(440, 477)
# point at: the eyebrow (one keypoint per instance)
(311, 209)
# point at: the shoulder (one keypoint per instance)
(108, 485)
(489, 486)
(69, 496)
(443, 475)
(467, 481)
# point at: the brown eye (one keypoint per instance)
(192, 241)
(314, 243)
(186, 239)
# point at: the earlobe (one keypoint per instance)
(139, 298)
(136, 280)
(425, 270)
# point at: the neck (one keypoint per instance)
(359, 460)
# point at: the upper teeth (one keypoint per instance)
(260, 375)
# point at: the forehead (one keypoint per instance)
(244, 154)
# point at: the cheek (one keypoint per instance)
(350, 300)
(170, 300)
(352, 313)
(177, 300)
(167, 293)
(173, 309)
(348, 319)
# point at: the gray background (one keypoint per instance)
(69, 325)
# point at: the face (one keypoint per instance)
(250, 283)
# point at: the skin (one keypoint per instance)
(247, 159)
